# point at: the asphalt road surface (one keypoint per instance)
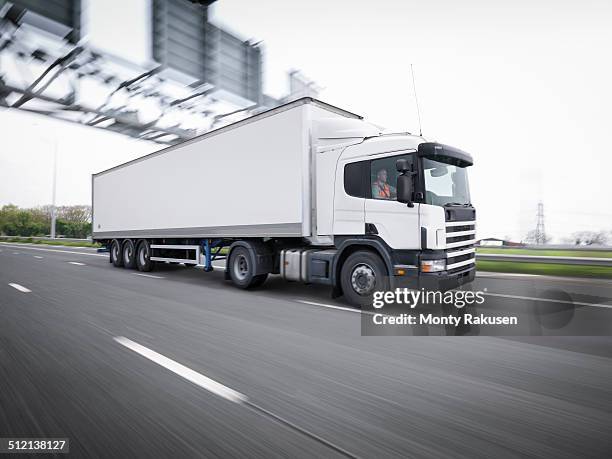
(180, 363)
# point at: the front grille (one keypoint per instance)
(467, 256)
(451, 238)
(460, 250)
(455, 229)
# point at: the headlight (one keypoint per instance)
(433, 266)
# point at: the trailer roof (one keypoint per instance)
(250, 119)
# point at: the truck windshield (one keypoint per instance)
(445, 184)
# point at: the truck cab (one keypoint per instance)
(425, 235)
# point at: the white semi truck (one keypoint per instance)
(305, 190)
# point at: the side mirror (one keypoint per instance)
(403, 165)
(404, 188)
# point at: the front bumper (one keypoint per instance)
(442, 281)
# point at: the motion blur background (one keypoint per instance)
(523, 86)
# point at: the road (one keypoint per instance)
(178, 363)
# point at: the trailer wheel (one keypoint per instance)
(129, 254)
(362, 274)
(143, 257)
(115, 254)
(241, 269)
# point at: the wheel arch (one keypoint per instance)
(352, 245)
(138, 242)
(262, 257)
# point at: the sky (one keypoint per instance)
(524, 86)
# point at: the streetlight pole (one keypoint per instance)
(54, 183)
(53, 211)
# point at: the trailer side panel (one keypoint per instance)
(247, 181)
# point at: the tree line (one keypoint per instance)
(577, 238)
(71, 221)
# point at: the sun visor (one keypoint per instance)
(445, 154)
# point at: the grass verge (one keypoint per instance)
(551, 253)
(545, 269)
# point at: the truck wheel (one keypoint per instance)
(241, 269)
(362, 274)
(143, 257)
(115, 254)
(129, 254)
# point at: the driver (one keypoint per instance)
(380, 188)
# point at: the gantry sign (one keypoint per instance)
(201, 75)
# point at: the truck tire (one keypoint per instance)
(362, 274)
(241, 269)
(143, 257)
(129, 254)
(116, 255)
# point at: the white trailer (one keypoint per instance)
(305, 190)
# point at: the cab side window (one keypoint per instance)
(356, 179)
(383, 177)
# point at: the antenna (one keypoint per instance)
(416, 101)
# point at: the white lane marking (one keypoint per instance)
(221, 390)
(148, 275)
(38, 256)
(21, 288)
(76, 263)
(15, 253)
(32, 244)
(330, 306)
(548, 300)
(183, 371)
(60, 251)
